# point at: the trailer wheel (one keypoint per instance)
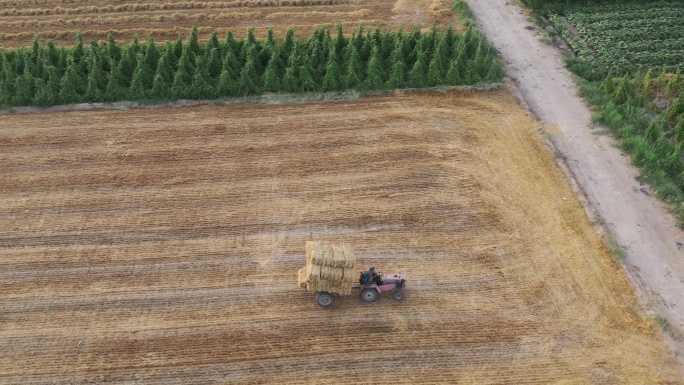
(369, 295)
(324, 299)
(398, 295)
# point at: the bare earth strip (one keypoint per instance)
(637, 221)
(161, 246)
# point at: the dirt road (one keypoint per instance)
(635, 219)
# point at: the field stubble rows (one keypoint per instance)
(162, 246)
(59, 21)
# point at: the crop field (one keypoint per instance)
(162, 246)
(626, 37)
(163, 20)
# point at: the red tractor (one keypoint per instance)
(370, 292)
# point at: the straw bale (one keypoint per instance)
(326, 254)
(302, 277)
(328, 268)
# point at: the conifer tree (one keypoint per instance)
(417, 75)
(62, 62)
(137, 89)
(152, 56)
(471, 76)
(36, 51)
(212, 43)
(78, 51)
(251, 37)
(180, 88)
(28, 64)
(374, 79)
(178, 48)
(359, 39)
(43, 96)
(126, 66)
(387, 47)
(23, 87)
(453, 76)
(412, 42)
(354, 75)
(95, 50)
(201, 88)
(53, 82)
(435, 75)
(193, 43)
(115, 89)
(96, 81)
(289, 42)
(450, 38)
(306, 79)
(52, 53)
(230, 60)
(160, 87)
(366, 49)
(495, 72)
(340, 40)
(93, 92)
(7, 81)
(249, 75)
(230, 44)
(483, 60)
(274, 72)
(169, 56)
(227, 84)
(18, 61)
(331, 80)
(213, 62)
(291, 79)
(316, 59)
(164, 71)
(270, 40)
(397, 77)
(113, 50)
(184, 68)
(70, 84)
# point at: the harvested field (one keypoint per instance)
(60, 20)
(162, 246)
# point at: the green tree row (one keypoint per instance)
(189, 69)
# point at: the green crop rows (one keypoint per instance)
(625, 37)
(630, 55)
(368, 60)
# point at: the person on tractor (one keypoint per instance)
(375, 277)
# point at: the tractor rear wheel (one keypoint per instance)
(369, 295)
(324, 299)
(398, 295)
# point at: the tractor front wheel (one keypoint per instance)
(369, 295)
(324, 299)
(398, 295)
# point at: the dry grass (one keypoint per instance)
(61, 20)
(361, 13)
(162, 246)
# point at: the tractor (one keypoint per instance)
(370, 292)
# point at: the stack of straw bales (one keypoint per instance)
(328, 268)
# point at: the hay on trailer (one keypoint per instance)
(328, 268)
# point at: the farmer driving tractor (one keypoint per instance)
(374, 276)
